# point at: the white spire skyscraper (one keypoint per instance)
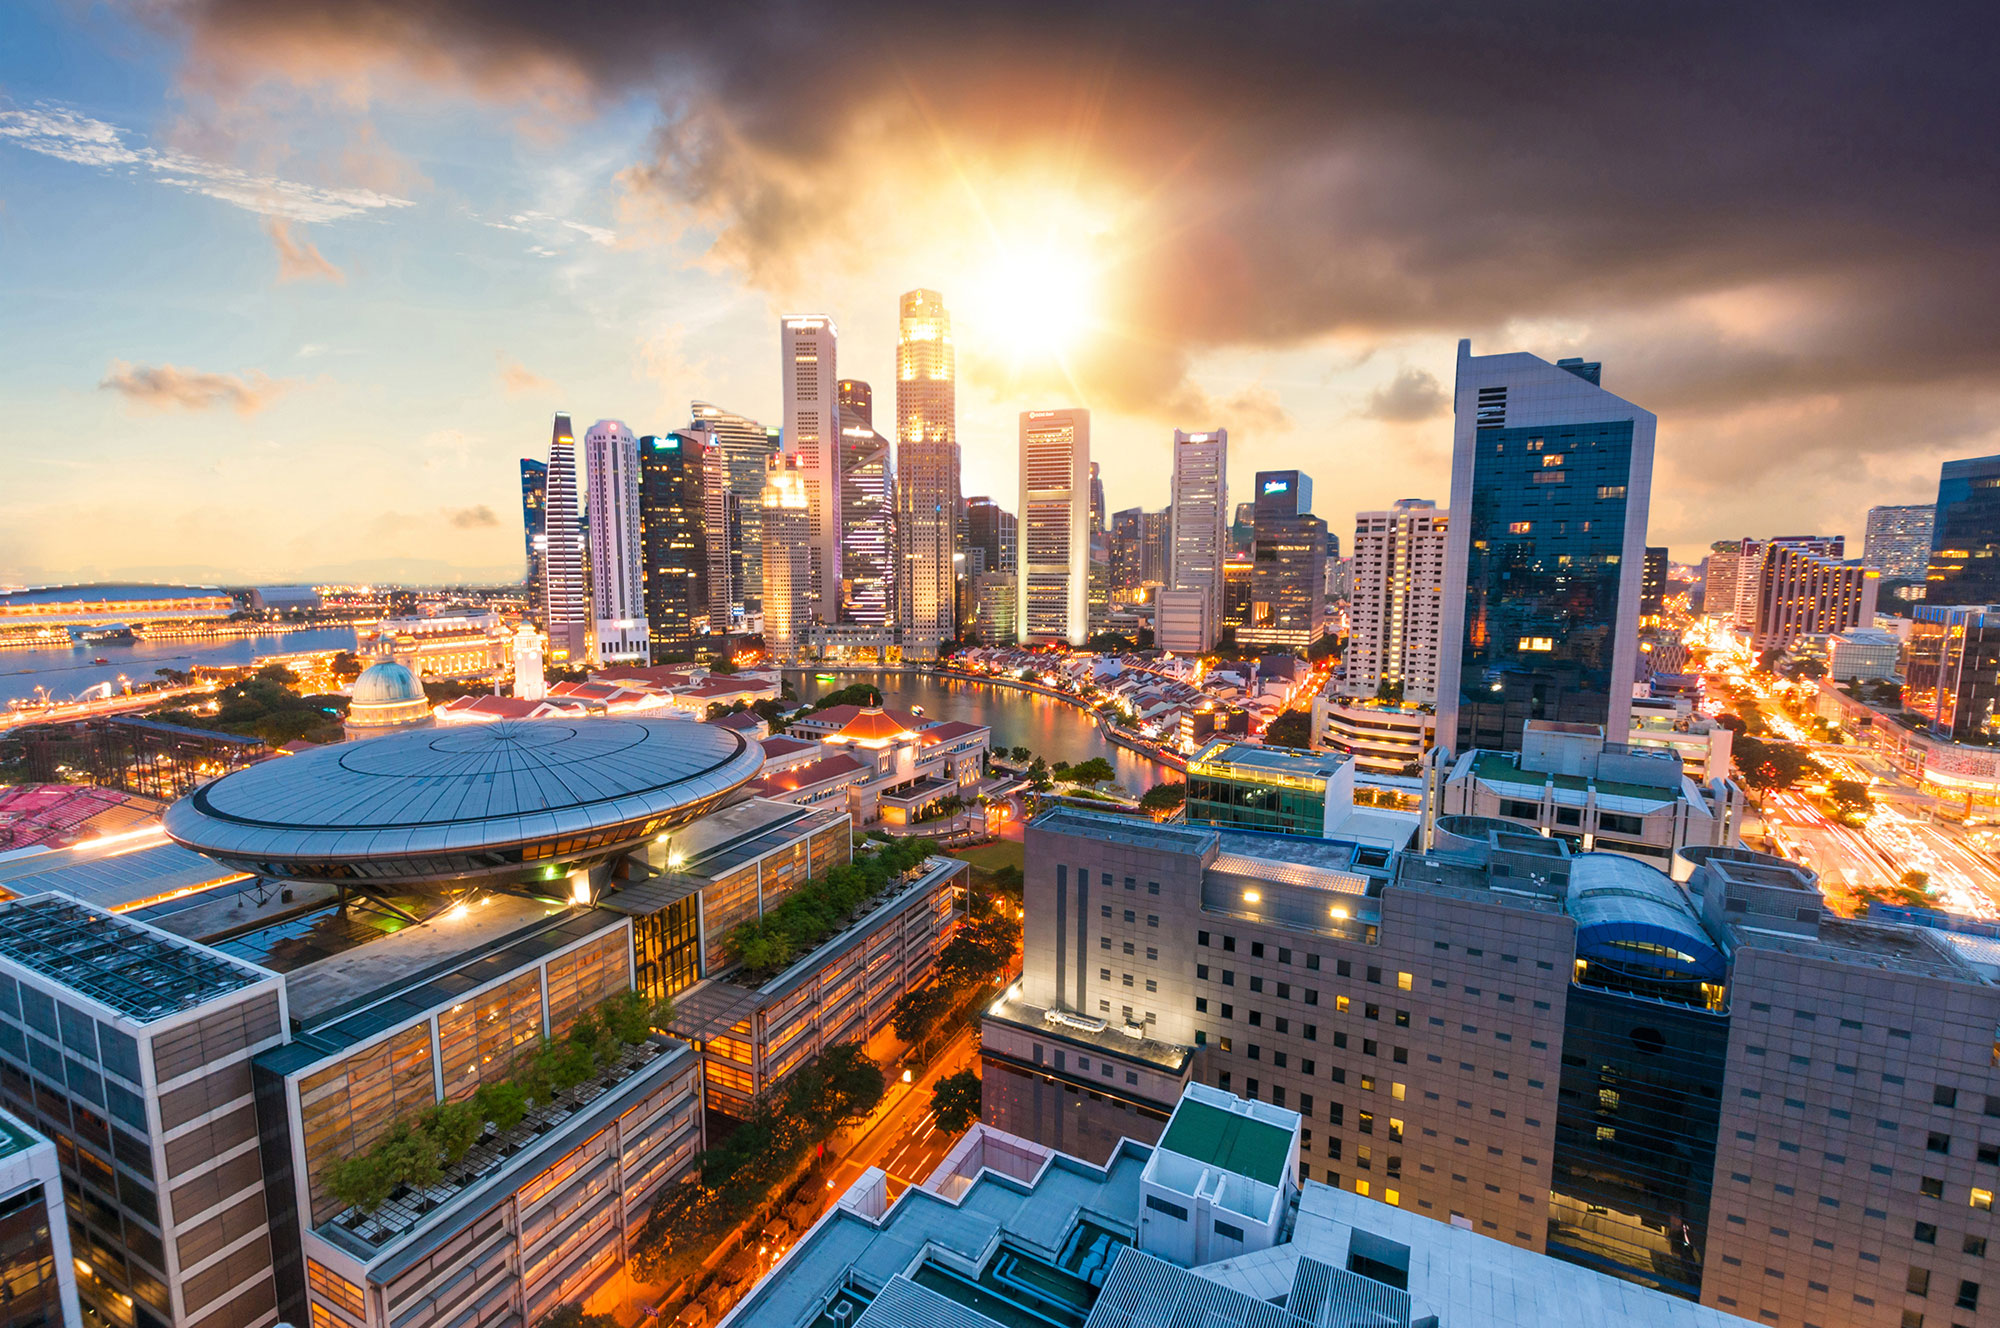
(618, 587)
(1189, 613)
(927, 469)
(808, 345)
(566, 602)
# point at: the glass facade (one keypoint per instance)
(534, 526)
(1953, 671)
(1256, 804)
(1547, 537)
(1965, 540)
(30, 1295)
(673, 549)
(1636, 1118)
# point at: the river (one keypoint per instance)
(66, 672)
(1050, 729)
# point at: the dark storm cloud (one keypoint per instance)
(1753, 204)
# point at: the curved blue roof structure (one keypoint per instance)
(479, 800)
(1633, 916)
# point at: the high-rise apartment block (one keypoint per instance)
(1287, 565)
(1396, 602)
(786, 528)
(566, 598)
(1551, 477)
(1803, 592)
(809, 367)
(1700, 1081)
(1965, 538)
(1054, 524)
(535, 529)
(1653, 583)
(1898, 540)
(927, 464)
(1718, 579)
(1751, 557)
(1189, 615)
(867, 512)
(617, 581)
(747, 449)
(1128, 543)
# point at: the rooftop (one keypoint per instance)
(140, 972)
(114, 877)
(1231, 1140)
(1256, 759)
(1505, 768)
(454, 801)
(15, 1136)
(1086, 1032)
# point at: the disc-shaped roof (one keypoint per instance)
(459, 801)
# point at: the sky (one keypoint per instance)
(286, 290)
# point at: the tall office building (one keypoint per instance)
(1653, 583)
(993, 531)
(1898, 540)
(1965, 536)
(1128, 546)
(1550, 481)
(1054, 555)
(1396, 602)
(1718, 579)
(1752, 555)
(721, 533)
(1189, 612)
(808, 363)
(1287, 565)
(678, 474)
(1156, 535)
(534, 529)
(927, 468)
(867, 512)
(747, 449)
(1097, 517)
(617, 582)
(566, 594)
(787, 533)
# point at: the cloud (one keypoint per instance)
(166, 387)
(299, 259)
(1773, 240)
(1412, 395)
(473, 518)
(55, 131)
(517, 379)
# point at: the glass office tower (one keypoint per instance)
(1551, 474)
(1965, 539)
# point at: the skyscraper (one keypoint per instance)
(1752, 555)
(1189, 614)
(1097, 518)
(676, 474)
(1287, 565)
(1054, 556)
(1551, 477)
(1802, 591)
(534, 529)
(810, 371)
(1653, 583)
(1396, 595)
(566, 601)
(787, 529)
(1965, 538)
(617, 584)
(1156, 536)
(1718, 579)
(993, 530)
(747, 449)
(927, 468)
(1898, 541)
(1128, 546)
(867, 512)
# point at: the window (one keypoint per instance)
(1981, 1199)
(1919, 1282)
(1925, 1234)
(1173, 1210)
(1976, 1246)
(1968, 1295)
(1404, 981)
(1228, 1232)
(1933, 1188)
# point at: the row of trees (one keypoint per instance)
(981, 950)
(265, 706)
(416, 1151)
(838, 1086)
(820, 907)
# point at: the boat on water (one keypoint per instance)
(105, 634)
(826, 677)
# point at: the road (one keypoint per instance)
(906, 1142)
(1898, 835)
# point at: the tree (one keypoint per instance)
(980, 950)
(1019, 753)
(1096, 770)
(1851, 798)
(917, 1015)
(1913, 879)
(1771, 765)
(1733, 723)
(1291, 729)
(955, 1101)
(346, 665)
(1164, 796)
(277, 673)
(571, 1315)
(1389, 690)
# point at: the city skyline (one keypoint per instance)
(352, 288)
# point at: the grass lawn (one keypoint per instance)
(994, 856)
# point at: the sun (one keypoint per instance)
(1035, 301)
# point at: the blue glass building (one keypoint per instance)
(1550, 480)
(534, 526)
(1965, 538)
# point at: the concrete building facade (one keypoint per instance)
(1396, 602)
(809, 368)
(1054, 524)
(617, 560)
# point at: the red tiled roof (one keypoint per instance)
(874, 722)
(780, 745)
(650, 675)
(724, 686)
(741, 721)
(839, 716)
(814, 772)
(949, 731)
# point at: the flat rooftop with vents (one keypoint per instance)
(141, 973)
